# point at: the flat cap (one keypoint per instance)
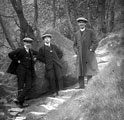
(82, 19)
(27, 39)
(46, 35)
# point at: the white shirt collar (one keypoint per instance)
(27, 49)
(82, 29)
(47, 44)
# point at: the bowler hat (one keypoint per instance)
(82, 19)
(46, 35)
(27, 39)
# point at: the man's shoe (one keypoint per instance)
(55, 94)
(16, 101)
(19, 104)
(23, 105)
(80, 87)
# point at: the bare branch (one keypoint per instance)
(7, 16)
(6, 32)
(35, 15)
(6, 46)
(16, 22)
(81, 3)
(25, 28)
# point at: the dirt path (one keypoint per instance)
(42, 106)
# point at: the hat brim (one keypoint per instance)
(84, 21)
(44, 36)
(27, 40)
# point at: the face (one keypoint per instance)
(47, 40)
(81, 24)
(28, 44)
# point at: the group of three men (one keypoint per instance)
(84, 46)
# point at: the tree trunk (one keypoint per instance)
(107, 15)
(35, 15)
(54, 13)
(7, 33)
(88, 11)
(89, 14)
(112, 15)
(101, 7)
(68, 20)
(35, 27)
(25, 28)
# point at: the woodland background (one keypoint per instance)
(20, 18)
(33, 18)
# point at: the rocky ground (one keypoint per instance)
(102, 99)
(40, 107)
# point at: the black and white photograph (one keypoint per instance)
(61, 59)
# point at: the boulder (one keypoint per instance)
(66, 45)
(68, 62)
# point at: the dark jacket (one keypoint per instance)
(26, 59)
(49, 55)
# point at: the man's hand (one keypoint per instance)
(75, 55)
(34, 59)
(19, 61)
(91, 50)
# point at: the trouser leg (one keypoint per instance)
(21, 80)
(27, 87)
(58, 75)
(20, 84)
(88, 78)
(81, 81)
(51, 79)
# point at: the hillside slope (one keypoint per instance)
(103, 99)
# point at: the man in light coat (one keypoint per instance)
(85, 44)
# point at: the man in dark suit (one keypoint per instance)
(24, 59)
(50, 54)
(85, 45)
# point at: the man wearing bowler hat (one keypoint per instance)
(24, 59)
(50, 54)
(85, 44)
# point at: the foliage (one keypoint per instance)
(103, 97)
(99, 16)
(105, 16)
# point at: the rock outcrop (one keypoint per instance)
(68, 62)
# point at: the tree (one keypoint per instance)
(69, 20)
(7, 33)
(54, 12)
(112, 15)
(37, 36)
(102, 13)
(25, 28)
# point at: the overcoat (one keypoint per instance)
(12, 67)
(51, 57)
(86, 59)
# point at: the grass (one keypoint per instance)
(103, 99)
